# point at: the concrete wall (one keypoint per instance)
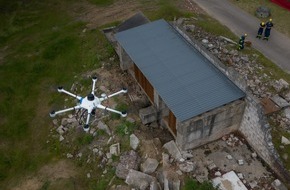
(125, 60)
(257, 131)
(210, 126)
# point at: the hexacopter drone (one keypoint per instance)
(90, 103)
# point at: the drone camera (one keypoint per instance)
(94, 78)
(103, 95)
(52, 114)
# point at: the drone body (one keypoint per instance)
(89, 103)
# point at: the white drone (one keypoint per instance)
(90, 103)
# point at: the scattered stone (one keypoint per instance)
(165, 160)
(285, 141)
(55, 122)
(68, 155)
(229, 157)
(64, 122)
(254, 155)
(205, 41)
(253, 184)
(211, 166)
(61, 138)
(95, 150)
(186, 155)
(128, 160)
(60, 130)
(179, 172)
(80, 155)
(281, 102)
(173, 150)
(130, 119)
(278, 185)
(115, 149)
(88, 175)
(241, 162)
(240, 175)
(104, 127)
(134, 141)
(218, 173)
(187, 167)
(189, 28)
(149, 166)
(138, 179)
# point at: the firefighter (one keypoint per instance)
(267, 32)
(261, 30)
(242, 42)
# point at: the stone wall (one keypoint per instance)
(257, 131)
(210, 126)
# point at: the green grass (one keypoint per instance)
(278, 14)
(43, 49)
(102, 2)
(191, 184)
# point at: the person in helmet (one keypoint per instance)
(261, 30)
(267, 32)
(242, 42)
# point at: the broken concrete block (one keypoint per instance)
(285, 141)
(187, 167)
(240, 175)
(281, 102)
(278, 185)
(134, 141)
(211, 166)
(148, 115)
(173, 150)
(139, 180)
(254, 155)
(115, 149)
(241, 162)
(218, 174)
(229, 157)
(104, 127)
(149, 166)
(128, 160)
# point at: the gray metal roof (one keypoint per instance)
(186, 81)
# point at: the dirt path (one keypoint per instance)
(277, 49)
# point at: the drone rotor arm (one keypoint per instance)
(54, 113)
(123, 114)
(94, 84)
(60, 89)
(124, 90)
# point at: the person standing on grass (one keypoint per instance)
(269, 25)
(261, 30)
(242, 42)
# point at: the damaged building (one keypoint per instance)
(189, 95)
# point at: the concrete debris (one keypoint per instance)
(128, 160)
(149, 166)
(205, 41)
(285, 141)
(173, 150)
(229, 157)
(88, 175)
(115, 149)
(104, 127)
(134, 141)
(241, 162)
(139, 180)
(277, 185)
(68, 155)
(187, 167)
(211, 166)
(60, 130)
(61, 138)
(281, 102)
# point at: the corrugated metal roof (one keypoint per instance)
(186, 81)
